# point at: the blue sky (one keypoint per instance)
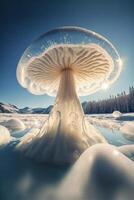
(24, 21)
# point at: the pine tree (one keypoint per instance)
(122, 102)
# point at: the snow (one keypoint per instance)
(102, 172)
(4, 135)
(98, 176)
(128, 130)
(8, 108)
(116, 114)
(29, 136)
(128, 150)
(104, 121)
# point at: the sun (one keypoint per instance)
(105, 86)
(120, 61)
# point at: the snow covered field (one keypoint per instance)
(117, 130)
(102, 172)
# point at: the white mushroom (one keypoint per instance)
(67, 70)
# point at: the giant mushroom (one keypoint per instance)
(67, 62)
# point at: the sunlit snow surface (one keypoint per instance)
(103, 172)
(4, 135)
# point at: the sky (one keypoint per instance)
(25, 20)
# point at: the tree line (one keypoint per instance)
(122, 102)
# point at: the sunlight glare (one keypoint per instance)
(105, 86)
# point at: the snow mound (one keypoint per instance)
(128, 150)
(104, 122)
(20, 134)
(101, 172)
(14, 124)
(128, 130)
(4, 135)
(116, 114)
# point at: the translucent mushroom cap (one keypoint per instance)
(93, 60)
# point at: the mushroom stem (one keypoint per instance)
(67, 100)
(67, 133)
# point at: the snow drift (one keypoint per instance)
(4, 135)
(98, 176)
(14, 124)
(128, 130)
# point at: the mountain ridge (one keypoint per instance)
(10, 108)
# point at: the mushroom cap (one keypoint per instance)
(92, 59)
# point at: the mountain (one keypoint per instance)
(9, 108)
(36, 110)
(25, 110)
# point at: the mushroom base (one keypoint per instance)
(66, 133)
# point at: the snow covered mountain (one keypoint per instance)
(9, 108)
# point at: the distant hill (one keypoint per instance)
(9, 108)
